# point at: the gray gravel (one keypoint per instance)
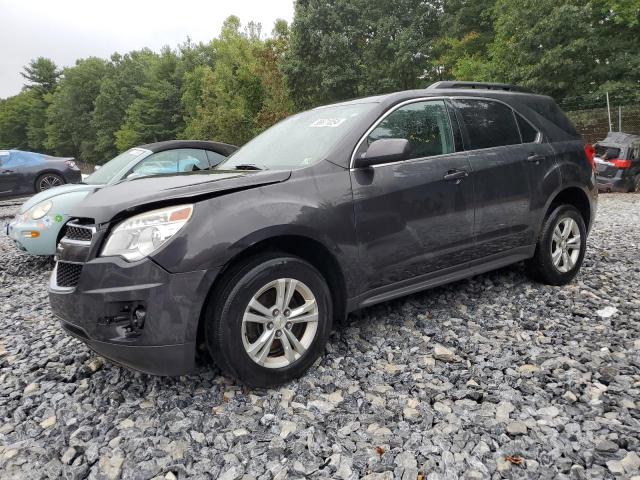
(492, 377)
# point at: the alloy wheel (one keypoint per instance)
(565, 244)
(280, 323)
(50, 181)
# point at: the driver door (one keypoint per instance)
(415, 216)
(8, 174)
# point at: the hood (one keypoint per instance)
(54, 192)
(106, 203)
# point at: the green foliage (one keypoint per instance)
(42, 75)
(345, 48)
(156, 113)
(69, 127)
(244, 92)
(118, 89)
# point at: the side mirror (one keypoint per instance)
(384, 151)
(97, 167)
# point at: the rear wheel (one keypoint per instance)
(49, 180)
(561, 247)
(270, 321)
(636, 184)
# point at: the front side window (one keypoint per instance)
(180, 160)
(424, 124)
(488, 124)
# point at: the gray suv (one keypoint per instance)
(329, 211)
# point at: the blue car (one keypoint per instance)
(23, 173)
(38, 225)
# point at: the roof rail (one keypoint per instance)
(479, 86)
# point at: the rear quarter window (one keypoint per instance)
(562, 129)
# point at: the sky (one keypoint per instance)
(65, 30)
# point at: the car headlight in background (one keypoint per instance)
(41, 209)
(71, 164)
(140, 235)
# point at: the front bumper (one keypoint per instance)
(100, 311)
(47, 228)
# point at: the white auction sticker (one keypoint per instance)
(327, 122)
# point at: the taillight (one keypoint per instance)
(621, 163)
(590, 152)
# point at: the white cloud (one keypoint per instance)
(65, 30)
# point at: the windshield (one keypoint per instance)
(300, 140)
(113, 169)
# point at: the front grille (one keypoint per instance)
(68, 274)
(73, 232)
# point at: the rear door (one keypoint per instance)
(414, 216)
(501, 168)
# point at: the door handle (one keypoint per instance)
(455, 175)
(535, 158)
(6, 171)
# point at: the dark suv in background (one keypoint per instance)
(618, 162)
(329, 211)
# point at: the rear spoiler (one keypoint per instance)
(449, 84)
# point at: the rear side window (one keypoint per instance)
(548, 109)
(424, 124)
(529, 134)
(488, 124)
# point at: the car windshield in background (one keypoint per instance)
(113, 169)
(298, 141)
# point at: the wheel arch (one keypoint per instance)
(304, 246)
(572, 195)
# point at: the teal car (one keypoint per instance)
(38, 225)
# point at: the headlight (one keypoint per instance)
(141, 235)
(41, 209)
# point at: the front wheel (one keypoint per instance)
(270, 321)
(561, 247)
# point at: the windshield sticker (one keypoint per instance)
(327, 122)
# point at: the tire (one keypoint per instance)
(636, 184)
(542, 267)
(49, 180)
(233, 335)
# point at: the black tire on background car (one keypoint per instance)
(636, 184)
(49, 180)
(561, 247)
(269, 320)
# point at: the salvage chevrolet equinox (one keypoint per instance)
(328, 211)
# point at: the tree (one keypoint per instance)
(14, 120)
(156, 112)
(42, 75)
(345, 48)
(245, 91)
(118, 89)
(564, 47)
(70, 129)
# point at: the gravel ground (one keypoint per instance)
(492, 377)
